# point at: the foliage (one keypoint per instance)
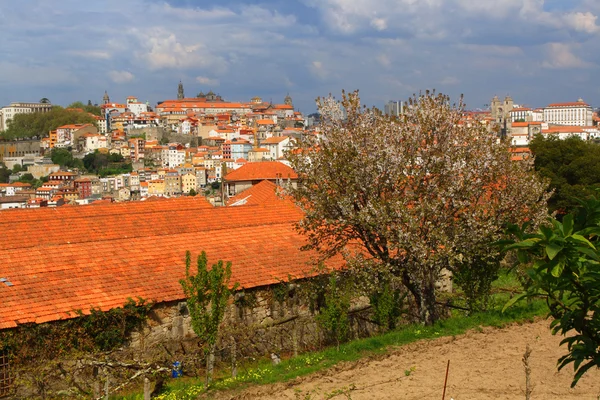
(207, 295)
(416, 193)
(215, 185)
(4, 174)
(572, 165)
(40, 123)
(387, 301)
(88, 108)
(476, 281)
(28, 178)
(289, 369)
(192, 192)
(17, 168)
(333, 313)
(64, 158)
(564, 267)
(104, 164)
(98, 331)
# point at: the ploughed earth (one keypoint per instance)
(483, 365)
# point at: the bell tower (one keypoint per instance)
(180, 94)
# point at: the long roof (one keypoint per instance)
(253, 171)
(59, 260)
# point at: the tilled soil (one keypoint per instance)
(483, 365)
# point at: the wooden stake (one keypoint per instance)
(446, 380)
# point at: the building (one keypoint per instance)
(9, 112)
(577, 113)
(277, 145)
(84, 187)
(253, 173)
(394, 108)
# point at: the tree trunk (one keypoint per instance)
(424, 295)
(427, 308)
(210, 364)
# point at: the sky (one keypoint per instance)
(537, 51)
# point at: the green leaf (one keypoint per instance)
(558, 268)
(588, 252)
(582, 371)
(513, 300)
(583, 240)
(524, 244)
(567, 224)
(552, 249)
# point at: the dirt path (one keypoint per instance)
(483, 365)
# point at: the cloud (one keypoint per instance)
(384, 60)
(93, 54)
(203, 80)
(318, 70)
(449, 80)
(561, 56)
(121, 76)
(582, 22)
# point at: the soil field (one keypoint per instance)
(484, 364)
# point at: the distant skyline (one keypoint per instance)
(537, 51)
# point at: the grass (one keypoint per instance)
(265, 373)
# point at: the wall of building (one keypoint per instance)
(19, 148)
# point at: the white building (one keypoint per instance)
(9, 112)
(276, 146)
(135, 106)
(577, 113)
(172, 156)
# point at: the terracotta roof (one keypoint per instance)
(274, 140)
(261, 193)
(570, 104)
(261, 170)
(116, 251)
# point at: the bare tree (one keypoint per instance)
(418, 193)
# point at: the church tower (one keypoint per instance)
(180, 95)
(288, 100)
(105, 99)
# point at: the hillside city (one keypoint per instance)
(209, 146)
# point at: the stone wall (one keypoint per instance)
(19, 148)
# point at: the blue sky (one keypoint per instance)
(537, 51)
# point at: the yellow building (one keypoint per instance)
(156, 187)
(189, 182)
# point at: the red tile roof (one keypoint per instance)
(261, 170)
(115, 251)
(260, 194)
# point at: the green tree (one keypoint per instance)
(89, 108)
(39, 124)
(64, 158)
(333, 313)
(563, 264)
(572, 165)
(17, 168)
(418, 193)
(207, 294)
(4, 174)
(192, 192)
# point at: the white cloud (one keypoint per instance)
(121, 76)
(560, 56)
(318, 70)
(164, 50)
(203, 80)
(582, 22)
(449, 80)
(94, 54)
(384, 60)
(379, 23)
